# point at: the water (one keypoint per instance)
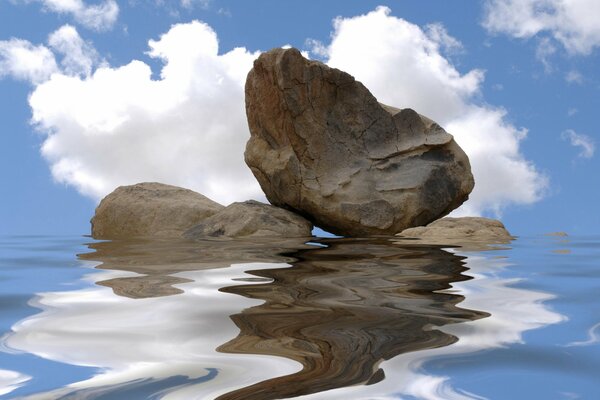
(328, 319)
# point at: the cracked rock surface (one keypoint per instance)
(322, 146)
(251, 219)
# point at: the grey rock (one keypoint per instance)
(322, 146)
(150, 209)
(252, 219)
(466, 232)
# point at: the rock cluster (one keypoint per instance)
(164, 211)
(324, 151)
(322, 146)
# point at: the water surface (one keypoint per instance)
(325, 319)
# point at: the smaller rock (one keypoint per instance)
(558, 234)
(251, 219)
(150, 209)
(465, 231)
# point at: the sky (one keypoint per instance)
(97, 94)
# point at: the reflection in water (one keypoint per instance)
(342, 309)
(157, 260)
(330, 312)
(513, 311)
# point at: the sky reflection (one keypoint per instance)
(304, 319)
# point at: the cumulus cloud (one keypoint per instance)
(22, 60)
(79, 57)
(119, 126)
(572, 23)
(584, 142)
(438, 34)
(403, 66)
(99, 17)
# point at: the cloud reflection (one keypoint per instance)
(593, 337)
(11, 380)
(305, 319)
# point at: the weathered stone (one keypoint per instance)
(252, 219)
(465, 231)
(150, 209)
(321, 145)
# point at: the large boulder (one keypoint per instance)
(321, 145)
(150, 209)
(252, 219)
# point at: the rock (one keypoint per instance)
(252, 219)
(321, 145)
(150, 209)
(465, 231)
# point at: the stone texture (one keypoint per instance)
(465, 231)
(321, 145)
(150, 209)
(252, 219)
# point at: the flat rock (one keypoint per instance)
(322, 146)
(252, 219)
(150, 209)
(465, 231)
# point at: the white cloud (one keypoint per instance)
(99, 17)
(79, 57)
(584, 142)
(574, 76)
(573, 23)
(438, 34)
(118, 126)
(544, 51)
(572, 111)
(317, 48)
(22, 60)
(191, 3)
(402, 66)
(226, 12)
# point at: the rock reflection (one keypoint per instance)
(342, 309)
(156, 260)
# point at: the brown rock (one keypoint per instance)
(150, 209)
(321, 145)
(252, 219)
(465, 231)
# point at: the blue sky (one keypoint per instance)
(516, 82)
